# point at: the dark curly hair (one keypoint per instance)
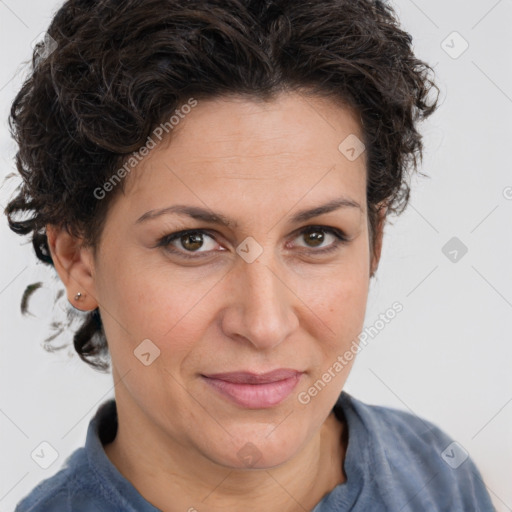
(110, 71)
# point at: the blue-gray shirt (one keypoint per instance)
(394, 462)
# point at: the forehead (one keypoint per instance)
(294, 142)
(292, 125)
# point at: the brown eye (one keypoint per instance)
(320, 239)
(192, 241)
(314, 238)
(188, 242)
(198, 243)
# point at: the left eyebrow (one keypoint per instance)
(335, 204)
(211, 217)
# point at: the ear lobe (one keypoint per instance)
(74, 264)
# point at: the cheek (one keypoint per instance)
(338, 295)
(148, 301)
(343, 311)
(339, 305)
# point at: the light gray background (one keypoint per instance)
(445, 357)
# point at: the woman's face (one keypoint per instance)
(262, 292)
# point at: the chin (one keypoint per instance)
(259, 451)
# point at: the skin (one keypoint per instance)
(178, 440)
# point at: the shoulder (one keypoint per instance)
(403, 433)
(420, 458)
(74, 487)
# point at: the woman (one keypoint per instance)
(210, 180)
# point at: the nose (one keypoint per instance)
(262, 308)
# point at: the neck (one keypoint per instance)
(173, 477)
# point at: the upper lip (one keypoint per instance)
(255, 378)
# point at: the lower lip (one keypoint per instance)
(255, 396)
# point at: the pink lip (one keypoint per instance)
(255, 391)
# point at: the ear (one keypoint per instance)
(377, 238)
(74, 263)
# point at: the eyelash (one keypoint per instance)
(166, 240)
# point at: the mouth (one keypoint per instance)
(254, 391)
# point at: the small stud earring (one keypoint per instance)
(78, 296)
